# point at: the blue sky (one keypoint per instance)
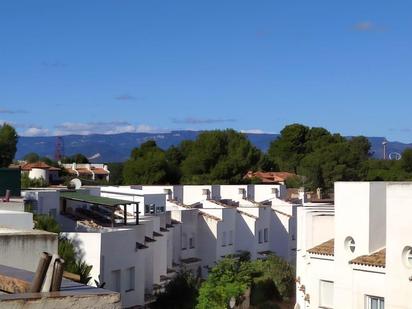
(134, 65)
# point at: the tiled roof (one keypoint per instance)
(40, 165)
(270, 177)
(326, 248)
(100, 171)
(84, 171)
(376, 259)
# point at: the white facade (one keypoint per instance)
(188, 227)
(368, 262)
(21, 245)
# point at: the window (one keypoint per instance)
(192, 242)
(146, 209)
(230, 238)
(407, 256)
(130, 274)
(374, 302)
(224, 239)
(184, 242)
(260, 236)
(350, 244)
(160, 209)
(325, 294)
(266, 234)
(116, 280)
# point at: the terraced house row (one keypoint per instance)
(138, 237)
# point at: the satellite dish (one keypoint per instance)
(395, 156)
(76, 183)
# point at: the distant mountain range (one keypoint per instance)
(117, 147)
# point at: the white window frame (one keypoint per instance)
(224, 239)
(321, 291)
(368, 302)
(266, 235)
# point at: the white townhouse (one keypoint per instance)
(137, 237)
(360, 257)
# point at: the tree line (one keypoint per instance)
(318, 156)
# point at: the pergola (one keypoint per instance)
(109, 203)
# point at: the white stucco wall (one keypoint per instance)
(22, 248)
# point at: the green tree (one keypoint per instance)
(406, 160)
(183, 284)
(116, 173)
(148, 165)
(31, 157)
(76, 158)
(274, 279)
(229, 278)
(66, 248)
(27, 182)
(290, 148)
(8, 144)
(219, 157)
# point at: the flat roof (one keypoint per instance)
(93, 199)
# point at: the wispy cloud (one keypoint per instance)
(194, 120)
(368, 26)
(255, 131)
(36, 131)
(112, 127)
(11, 111)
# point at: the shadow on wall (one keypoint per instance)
(207, 244)
(245, 238)
(279, 237)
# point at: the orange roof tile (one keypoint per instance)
(326, 248)
(377, 259)
(40, 165)
(270, 177)
(100, 171)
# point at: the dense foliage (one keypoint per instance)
(270, 280)
(8, 144)
(76, 158)
(214, 157)
(180, 293)
(148, 165)
(27, 182)
(320, 156)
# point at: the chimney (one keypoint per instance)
(206, 194)
(242, 193)
(302, 195)
(319, 193)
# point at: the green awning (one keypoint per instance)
(93, 199)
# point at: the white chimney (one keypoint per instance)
(206, 193)
(242, 193)
(302, 195)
